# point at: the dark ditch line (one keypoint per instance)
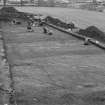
(64, 31)
(11, 92)
(81, 37)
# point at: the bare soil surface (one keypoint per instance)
(54, 70)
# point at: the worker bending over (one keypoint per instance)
(47, 31)
(29, 27)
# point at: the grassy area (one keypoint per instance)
(55, 70)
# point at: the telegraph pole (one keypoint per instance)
(94, 1)
(21, 2)
(94, 4)
(39, 3)
(4, 2)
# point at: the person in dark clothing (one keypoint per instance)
(41, 23)
(45, 31)
(71, 26)
(15, 22)
(86, 41)
(50, 32)
(29, 27)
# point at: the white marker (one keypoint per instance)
(2, 50)
(97, 41)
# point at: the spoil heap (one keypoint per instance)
(93, 32)
(8, 10)
(58, 22)
(8, 13)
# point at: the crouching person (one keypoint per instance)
(15, 22)
(71, 26)
(47, 31)
(50, 32)
(87, 41)
(29, 27)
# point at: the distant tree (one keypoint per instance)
(4, 2)
(52, 3)
(21, 2)
(40, 2)
(32, 1)
(46, 3)
(94, 1)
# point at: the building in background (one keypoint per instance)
(52, 3)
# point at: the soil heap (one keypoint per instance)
(8, 13)
(93, 32)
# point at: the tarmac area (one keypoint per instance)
(53, 69)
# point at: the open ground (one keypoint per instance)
(57, 69)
